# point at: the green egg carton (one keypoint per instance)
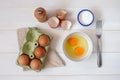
(30, 43)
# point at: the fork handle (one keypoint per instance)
(99, 53)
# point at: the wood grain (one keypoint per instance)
(110, 66)
(110, 39)
(24, 17)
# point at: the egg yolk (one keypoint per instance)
(73, 41)
(79, 51)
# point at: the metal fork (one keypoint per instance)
(99, 42)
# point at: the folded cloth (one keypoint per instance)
(53, 59)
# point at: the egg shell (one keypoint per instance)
(53, 22)
(44, 40)
(61, 14)
(35, 64)
(40, 14)
(39, 52)
(66, 24)
(23, 60)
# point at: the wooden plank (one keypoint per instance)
(59, 3)
(82, 77)
(111, 40)
(8, 41)
(110, 66)
(24, 17)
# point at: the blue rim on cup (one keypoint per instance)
(78, 17)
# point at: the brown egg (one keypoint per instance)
(40, 14)
(39, 52)
(44, 40)
(23, 60)
(35, 64)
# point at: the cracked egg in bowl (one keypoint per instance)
(77, 46)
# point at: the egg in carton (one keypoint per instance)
(34, 51)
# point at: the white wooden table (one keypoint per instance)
(15, 14)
